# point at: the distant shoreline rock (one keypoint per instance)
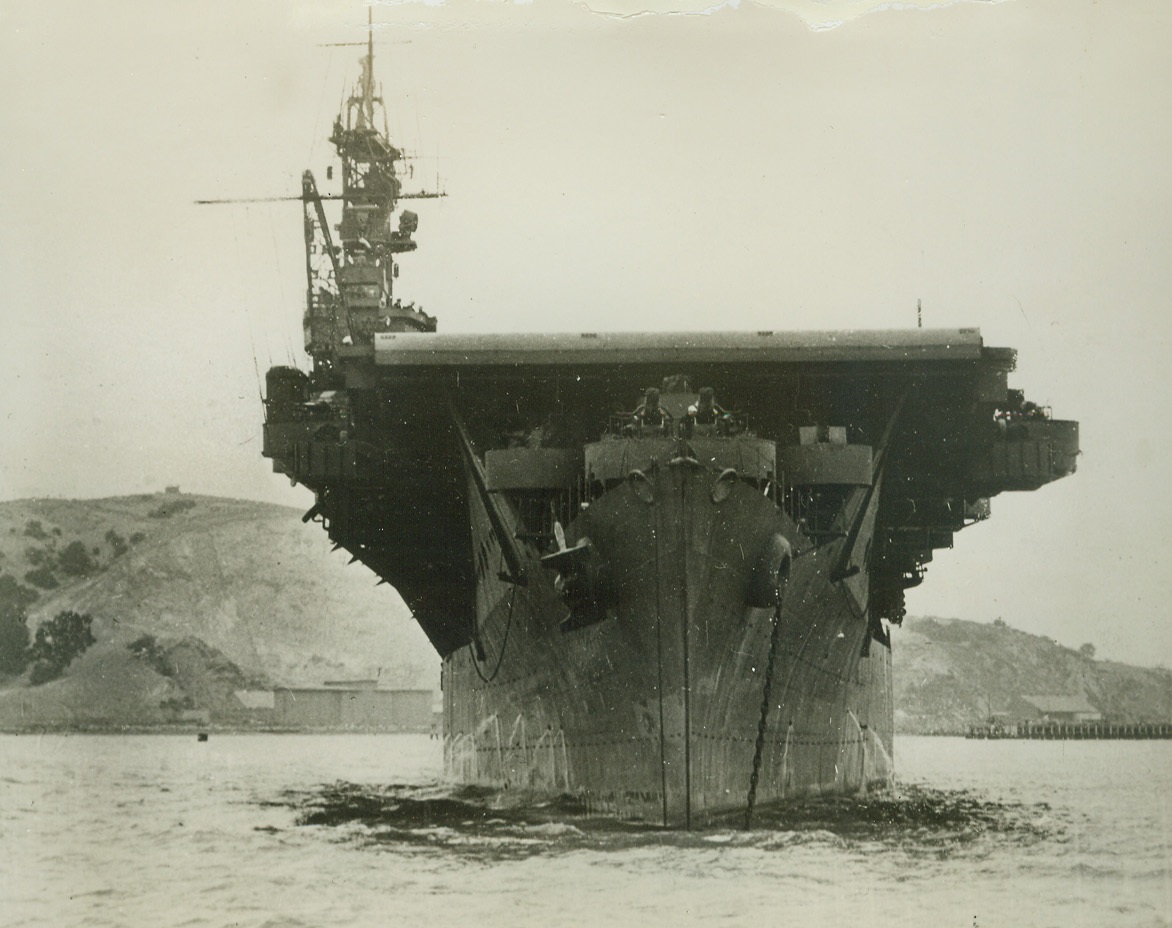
(218, 594)
(952, 673)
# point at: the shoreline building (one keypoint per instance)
(358, 705)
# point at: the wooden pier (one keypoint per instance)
(1061, 731)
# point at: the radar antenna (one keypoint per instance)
(350, 280)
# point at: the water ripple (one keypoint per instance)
(917, 820)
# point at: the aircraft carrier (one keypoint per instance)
(660, 569)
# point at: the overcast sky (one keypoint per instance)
(1008, 164)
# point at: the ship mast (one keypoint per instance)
(351, 283)
(368, 73)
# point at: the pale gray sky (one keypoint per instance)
(1009, 164)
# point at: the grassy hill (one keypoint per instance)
(234, 593)
(195, 597)
(951, 673)
(111, 686)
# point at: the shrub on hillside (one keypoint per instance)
(147, 646)
(75, 560)
(43, 672)
(13, 644)
(137, 537)
(57, 643)
(14, 635)
(43, 577)
(148, 649)
(15, 598)
(117, 543)
(34, 529)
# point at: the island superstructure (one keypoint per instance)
(660, 569)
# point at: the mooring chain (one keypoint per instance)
(766, 699)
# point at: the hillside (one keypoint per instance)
(112, 686)
(235, 595)
(236, 592)
(951, 673)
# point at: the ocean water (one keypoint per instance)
(353, 830)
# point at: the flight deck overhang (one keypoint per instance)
(402, 349)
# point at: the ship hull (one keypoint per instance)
(669, 610)
(654, 711)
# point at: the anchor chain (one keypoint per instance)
(766, 699)
(504, 644)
